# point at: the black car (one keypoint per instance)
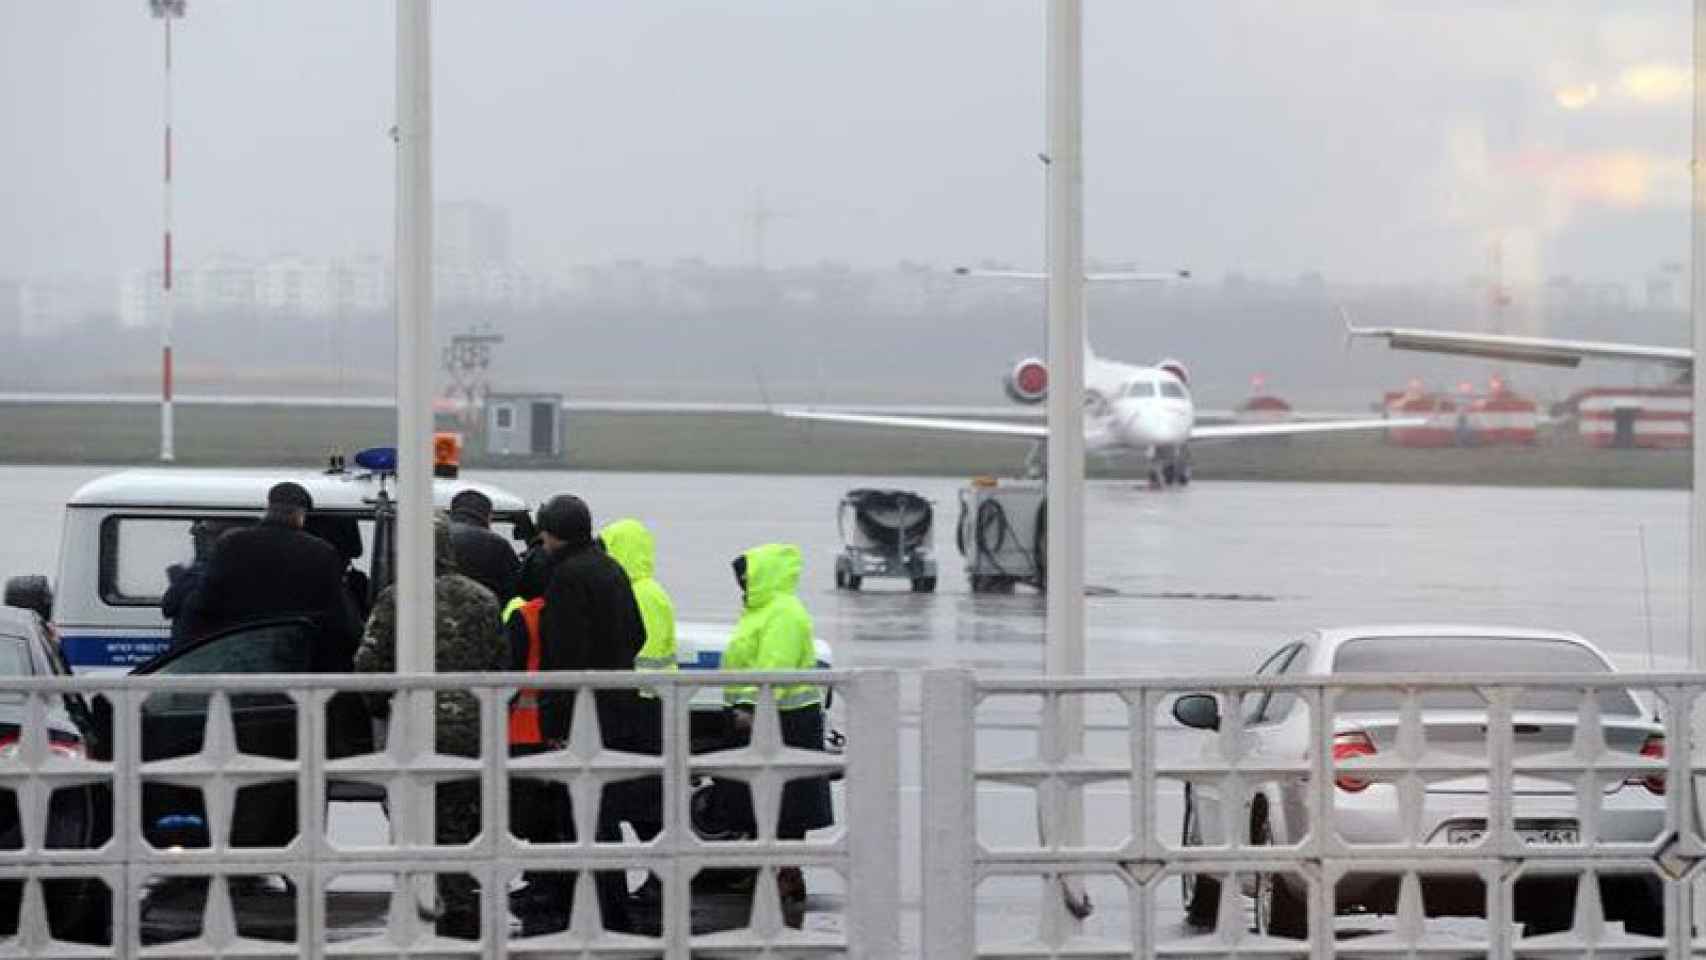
(78, 817)
(264, 725)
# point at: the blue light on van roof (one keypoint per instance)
(378, 459)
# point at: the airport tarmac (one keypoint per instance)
(1204, 580)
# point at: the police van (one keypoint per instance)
(124, 531)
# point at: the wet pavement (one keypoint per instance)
(1205, 580)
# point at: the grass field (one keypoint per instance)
(756, 443)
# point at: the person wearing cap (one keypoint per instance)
(268, 571)
(589, 621)
(275, 569)
(480, 552)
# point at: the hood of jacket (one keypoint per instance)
(772, 570)
(630, 544)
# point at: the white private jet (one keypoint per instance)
(1129, 408)
(1537, 350)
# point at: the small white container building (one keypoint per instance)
(523, 426)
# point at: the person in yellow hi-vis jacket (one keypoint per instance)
(775, 633)
(630, 544)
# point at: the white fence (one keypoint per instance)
(1415, 799)
(75, 895)
(1496, 794)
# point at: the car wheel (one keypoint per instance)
(840, 578)
(853, 581)
(1279, 911)
(924, 585)
(1201, 893)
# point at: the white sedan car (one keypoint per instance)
(1454, 808)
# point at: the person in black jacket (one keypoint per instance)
(274, 569)
(480, 552)
(590, 621)
(182, 600)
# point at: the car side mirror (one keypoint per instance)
(1199, 711)
(30, 593)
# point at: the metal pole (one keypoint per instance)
(167, 14)
(1066, 342)
(1697, 492)
(1697, 308)
(415, 642)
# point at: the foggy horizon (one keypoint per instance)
(1365, 142)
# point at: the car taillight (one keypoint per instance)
(65, 745)
(1653, 748)
(62, 744)
(1352, 743)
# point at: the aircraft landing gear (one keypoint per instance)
(1173, 471)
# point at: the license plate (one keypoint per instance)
(1542, 837)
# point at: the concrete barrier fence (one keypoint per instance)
(1559, 815)
(127, 787)
(1381, 816)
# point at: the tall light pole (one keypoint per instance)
(1064, 651)
(1697, 310)
(415, 365)
(166, 11)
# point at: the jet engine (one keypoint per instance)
(1027, 382)
(1177, 369)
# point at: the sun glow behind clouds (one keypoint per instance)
(1655, 82)
(1576, 96)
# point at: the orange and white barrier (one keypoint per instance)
(1638, 417)
(1503, 419)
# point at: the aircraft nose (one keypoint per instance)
(1154, 426)
(1136, 426)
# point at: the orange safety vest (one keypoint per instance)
(524, 726)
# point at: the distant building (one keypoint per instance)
(469, 234)
(9, 325)
(222, 285)
(1664, 287)
(229, 285)
(140, 299)
(43, 306)
(294, 286)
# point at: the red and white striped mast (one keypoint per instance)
(166, 11)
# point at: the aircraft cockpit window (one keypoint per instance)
(1140, 388)
(1171, 388)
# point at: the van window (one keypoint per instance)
(137, 550)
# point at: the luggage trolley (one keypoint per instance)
(885, 533)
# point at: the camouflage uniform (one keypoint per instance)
(469, 639)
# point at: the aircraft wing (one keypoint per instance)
(988, 428)
(1539, 350)
(1249, 431)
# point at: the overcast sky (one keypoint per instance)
(1370, 141)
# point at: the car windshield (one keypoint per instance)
(1492, 656)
